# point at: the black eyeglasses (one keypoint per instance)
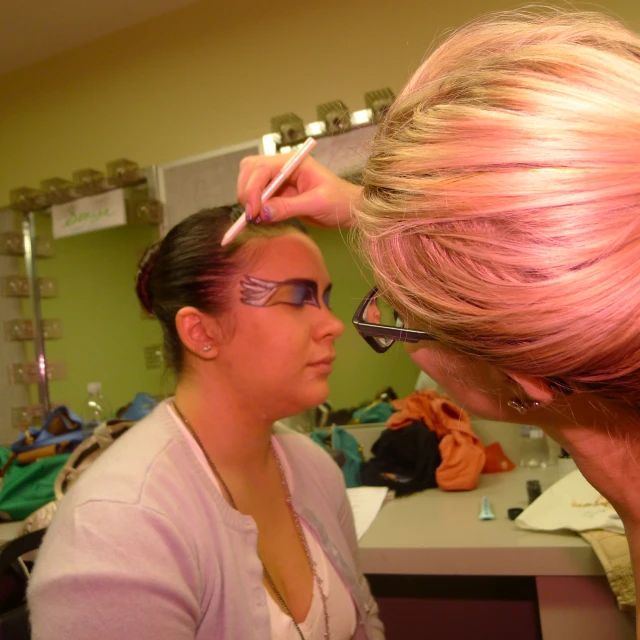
(380, 325)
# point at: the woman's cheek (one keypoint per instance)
(462, 382)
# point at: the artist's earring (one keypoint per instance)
(207, 347)
(522, 406)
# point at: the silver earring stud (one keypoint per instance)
(522, 406)
(207, 347)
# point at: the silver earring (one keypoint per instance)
(207, 347)
(522, 406)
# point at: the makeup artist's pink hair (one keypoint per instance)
(501, 202)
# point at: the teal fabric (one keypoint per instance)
(141, 406)
(337, 439)
(27, 487)
(378, 412)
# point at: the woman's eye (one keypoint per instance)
(301, 295)
(309, 295)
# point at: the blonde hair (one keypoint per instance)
(501, 200)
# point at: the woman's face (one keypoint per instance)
(282, 346)
(474, 385)
(484, 390)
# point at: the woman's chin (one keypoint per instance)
(310, 401)
(480, 404)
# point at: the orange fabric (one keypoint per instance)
(462, 452)
(496, 459)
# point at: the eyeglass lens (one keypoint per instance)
(380, 312)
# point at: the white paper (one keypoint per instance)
(571, 503)
(89, 214)
(365, 504)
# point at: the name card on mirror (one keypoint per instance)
(89, 214)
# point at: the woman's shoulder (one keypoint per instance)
(137, 466)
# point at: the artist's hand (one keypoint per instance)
(312, 193)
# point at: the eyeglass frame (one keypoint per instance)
(371, 331)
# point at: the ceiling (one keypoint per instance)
(33, 30)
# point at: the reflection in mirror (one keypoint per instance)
(372, 313)
(379, 311)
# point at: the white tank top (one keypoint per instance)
(340, 606)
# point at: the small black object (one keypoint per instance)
(387, 395)
(533, 490)
(514, 512)
(339, 457)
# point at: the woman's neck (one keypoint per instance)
(231, 429)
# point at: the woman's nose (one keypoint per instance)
(337, 325)
(333, 326)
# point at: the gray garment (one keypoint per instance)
(144, 546)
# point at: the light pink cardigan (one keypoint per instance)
(144, 547)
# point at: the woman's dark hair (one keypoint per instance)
(189, 268)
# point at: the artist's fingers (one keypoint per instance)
(298, 205)
(256, 172)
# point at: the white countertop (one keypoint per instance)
(438, 533)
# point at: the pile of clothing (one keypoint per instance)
(30, 467)
(428, 443)
(409, 457)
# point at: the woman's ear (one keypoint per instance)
(534, 387)
(199, 332)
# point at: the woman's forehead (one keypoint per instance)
(289, 256)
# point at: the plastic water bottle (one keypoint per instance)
(534, 448)
(96, 408)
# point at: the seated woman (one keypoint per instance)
(204, 521)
